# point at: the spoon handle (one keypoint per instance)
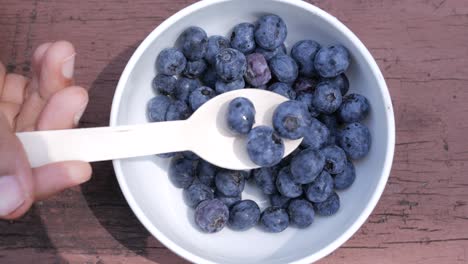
(105, 143)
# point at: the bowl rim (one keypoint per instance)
(174, 247)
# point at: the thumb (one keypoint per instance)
(16, 182)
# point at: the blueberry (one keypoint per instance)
(327, 97)
(200, 96)
(167, 155)
(184, 87)
(284, 68)
(240, 115)
(206, 173)
(290, 119)
(301, 213)
(306, 99)
(164, 84)
(285, 184)
(354, 108)
(320, 189)
(228, 200)
(346, 178)
(182, 171)
(210, 77)
(230, 64)
(243, 215)
(215, 45)
(305, 85)
(307, 165)
(335, 159)
(170, 62)
(287, 160)
(329, 206)
(196, 193)
(330, 121)
(178, 110)
(341, 81)
(269, 54)
(270, 32)
(257, 73)
(274, 219)
(265, 179)
(242, 38)
(194, 42)
(190, 155)
(332, 124)
(229, 182)
(355, 140)
(283, 89)
(194, 69)
(332, 61)
(247, 174)
(316, 135)
(278, 200)
(223, 87)
(156, 108)
(262, 87)
(264, 146)
(303, 52)
(211, 215)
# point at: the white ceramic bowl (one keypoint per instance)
(159, 205)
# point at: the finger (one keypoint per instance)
(50, 61)
(38, 55)
(13, 88)
(57, 68)
(10, 111)
(12, 96)
(29, 113)
(64, 109)
(2, 76)
(56, 177)
(16, 183)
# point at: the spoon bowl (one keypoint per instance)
(222, 147)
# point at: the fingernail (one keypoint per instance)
(68, 66)
(11, 195)
(79, 113)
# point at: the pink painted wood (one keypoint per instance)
(421, 47)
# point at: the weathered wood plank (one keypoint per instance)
(421, 47)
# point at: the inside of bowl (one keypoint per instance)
(160, 206)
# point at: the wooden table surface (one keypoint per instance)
(420, 45)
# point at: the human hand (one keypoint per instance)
(48, 101)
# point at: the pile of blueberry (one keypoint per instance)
(319, 111)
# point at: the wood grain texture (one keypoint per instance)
(422, 49)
